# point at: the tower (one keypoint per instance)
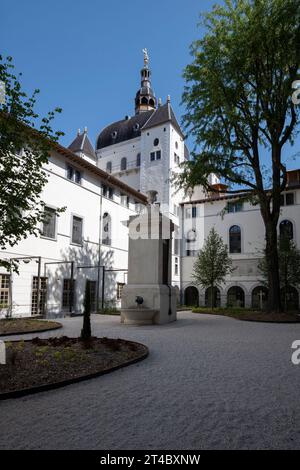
(145, 98)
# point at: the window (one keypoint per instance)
(77, 177)
(194, 212)
(192, 253)
(4, 290)
(176, 246)
(155, 155)
(108, 192)
(236, 206)
(108, 167)
(287, 199)
(73, 174)
(176, 158)
(176, 267)
(106, 231)
(156, 142)
(67, 294)
(286, 230)
(188, 212)
(77, 230)
(120, 286)
(235, 297)
(123, 163)
(49, 224)
(176, 145)
(138, 159)
(41, 309)
(125, 200)
(70, 172)
(235, 239)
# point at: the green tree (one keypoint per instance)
(86, 329)
(240, 111)
(25, 142)
(213, 264)
(289, 268)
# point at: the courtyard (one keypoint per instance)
(210, 382)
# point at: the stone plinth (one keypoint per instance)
(149, 267)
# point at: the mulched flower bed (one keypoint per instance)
(252, 315)
(40, 362)
(11, 326)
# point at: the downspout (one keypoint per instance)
(181, 222)
(99, 247)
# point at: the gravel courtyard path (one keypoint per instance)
(210, 382)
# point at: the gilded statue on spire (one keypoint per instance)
(146, 57)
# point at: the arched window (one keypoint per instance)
(235, 297)
(156, 142)
(290, 298)
(191, 296)
(138, 159)
(124, 163)
(151, 102)
(286, 230)
(235, 239)
(212, 300)
(259, 297)
(106, 229)
(144, 100)
(108, 167)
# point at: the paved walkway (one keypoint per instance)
(209, 382)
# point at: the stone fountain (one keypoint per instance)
(148, 297)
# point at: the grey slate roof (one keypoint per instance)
(82, 143)
(163, 114)
(126, 129)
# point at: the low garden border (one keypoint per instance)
(63, 383)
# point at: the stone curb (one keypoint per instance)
(42, 330)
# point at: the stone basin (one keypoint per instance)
(138, 316)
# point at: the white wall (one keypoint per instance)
(82, 200)
(211, 214)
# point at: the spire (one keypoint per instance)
(145, 98)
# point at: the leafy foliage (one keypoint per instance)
(213, 263)
(289, 266)
(238, 97)
(25, 142)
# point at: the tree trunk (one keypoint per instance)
(212, 296)
(274, 299)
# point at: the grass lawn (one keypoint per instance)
(25, 325)
(250, 315)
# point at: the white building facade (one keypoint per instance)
(241, 226)
(87, 241)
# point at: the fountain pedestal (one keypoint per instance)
(149, 270)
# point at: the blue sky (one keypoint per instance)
(86, 56)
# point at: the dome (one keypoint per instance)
(121, 131)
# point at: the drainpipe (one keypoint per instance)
(181, 224)
(38, 294)
(99, 251)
